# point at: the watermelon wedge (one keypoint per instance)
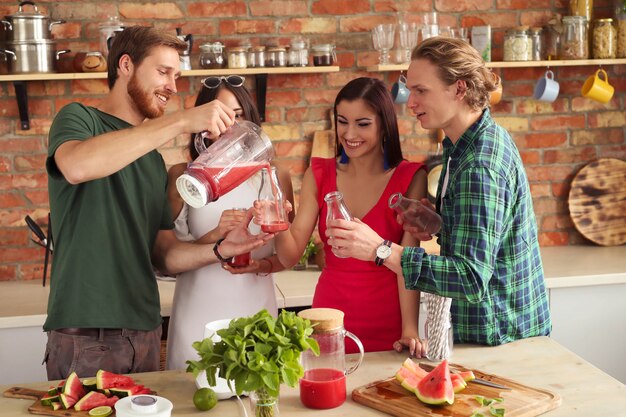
(106, 380)
(458, 383)
(415, 368)
(94, 399)
(467, 376)
(436, 387)
(122, 392)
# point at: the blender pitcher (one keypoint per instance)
(233, 158)
(323, 385)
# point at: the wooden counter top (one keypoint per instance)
(538, 362)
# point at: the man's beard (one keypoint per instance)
(144, 102)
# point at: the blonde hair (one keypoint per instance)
(458, 60)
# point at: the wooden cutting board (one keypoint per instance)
(390, 397)
(597, 201)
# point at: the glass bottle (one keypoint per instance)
(323, 385)
(298, 53)
(582, 8)
(551, 40)
(273, 215)
(574, 42)
(415, 213)
(536, 48)
(275, 57)
(336, 209)
(323, 55)
(256, 56)
(604, 39)
(212, 55)
(516, 45)
(238, 57)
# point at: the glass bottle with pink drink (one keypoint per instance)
(273, 214)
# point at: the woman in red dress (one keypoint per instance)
(367, 170)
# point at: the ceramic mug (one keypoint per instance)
(546, 88)
(598, 88)
(399, 91)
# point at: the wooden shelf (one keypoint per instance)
(190, 73)
(515, 64)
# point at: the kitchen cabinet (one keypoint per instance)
(19, 82)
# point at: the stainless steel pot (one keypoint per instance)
(32, 57)
(27, 26)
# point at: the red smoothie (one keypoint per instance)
(323, 388)
(274, 227)
(239, 261)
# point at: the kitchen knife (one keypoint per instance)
(477, 380)
(34, 227)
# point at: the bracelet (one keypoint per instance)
(217, 253)
(261, 274)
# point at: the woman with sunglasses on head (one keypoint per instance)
(219, 291)
(368, 169)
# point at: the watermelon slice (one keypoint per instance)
(122, 392)
(49, 399)
(467, 376)
(415, 368)
(408, 379)
(67, 401)
(105, 380)
(56, 406)
(458, 383)
(73, 387)
(94, 399)
(436, 387)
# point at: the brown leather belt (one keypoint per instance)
(81, 331)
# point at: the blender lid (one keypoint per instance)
(192, 191)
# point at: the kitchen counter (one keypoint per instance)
(538, 362)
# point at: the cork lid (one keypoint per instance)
(324, 319)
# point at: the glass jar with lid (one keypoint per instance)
(574, 42)
(517, 44)
(238, 57)
(212, 55)
(323, 54)
(604, 39)
(620, 18)
(536, 44)
(276, 56)
(298, 53)
(551, 40)
(256, 56)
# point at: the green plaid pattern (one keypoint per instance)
(490, 263)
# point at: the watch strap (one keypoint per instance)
(217, 252)
(379, 261)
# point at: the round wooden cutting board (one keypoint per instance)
(597, 201)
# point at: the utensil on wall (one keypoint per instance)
(546, 89)
(597, 87)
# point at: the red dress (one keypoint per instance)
(365, 292)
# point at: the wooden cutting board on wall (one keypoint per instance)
(390, 397)
(597, 201)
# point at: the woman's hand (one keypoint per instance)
(261, 206)
(416, 346)
(239, 240)
(353, 239)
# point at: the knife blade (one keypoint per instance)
(428, 367)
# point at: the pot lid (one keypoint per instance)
(21, 13)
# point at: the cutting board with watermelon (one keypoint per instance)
(75, 397)
(390, 397)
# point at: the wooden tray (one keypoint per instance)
(597, 201)
(390, 397)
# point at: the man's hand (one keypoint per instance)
(239, 240)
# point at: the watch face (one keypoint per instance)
(383, 251)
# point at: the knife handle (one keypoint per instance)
(35, 228)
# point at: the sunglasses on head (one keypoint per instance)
(231, 80)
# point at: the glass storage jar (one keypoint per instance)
(256, 57)
(323, 55)
(212, 55)
(238, 57)
(604, 39)
(517, 45)
(298, 53)
(551, 40)
(536, 44)
(276, 57)
(574, 42)
(620, 17)
(582, 8)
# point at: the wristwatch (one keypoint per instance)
(217, 252)
(383, 251)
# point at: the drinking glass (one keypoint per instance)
(431, 25)
(383, 37)
(408, 38)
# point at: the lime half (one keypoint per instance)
(102, 411)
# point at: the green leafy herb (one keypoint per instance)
(487, 402)
(477, 414)
(258, 353)
(497, 412)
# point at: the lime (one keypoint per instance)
(204, 399)
(102, 411)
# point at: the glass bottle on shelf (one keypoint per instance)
(604, 39)
(238, 57)
(574, 42)
(298, 53)
(256, 56)
(276, 57)
(582, 8)
(212, 55)
(536, 42)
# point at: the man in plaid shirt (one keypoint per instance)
(489, 262)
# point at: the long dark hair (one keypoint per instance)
(376, 95)
(242, 95)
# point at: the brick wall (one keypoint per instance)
(555, 139)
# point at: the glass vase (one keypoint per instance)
(263, 404)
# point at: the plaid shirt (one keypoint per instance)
(490, 263)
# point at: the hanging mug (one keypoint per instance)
(598, 88)
(546, 88)
(399, 91)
